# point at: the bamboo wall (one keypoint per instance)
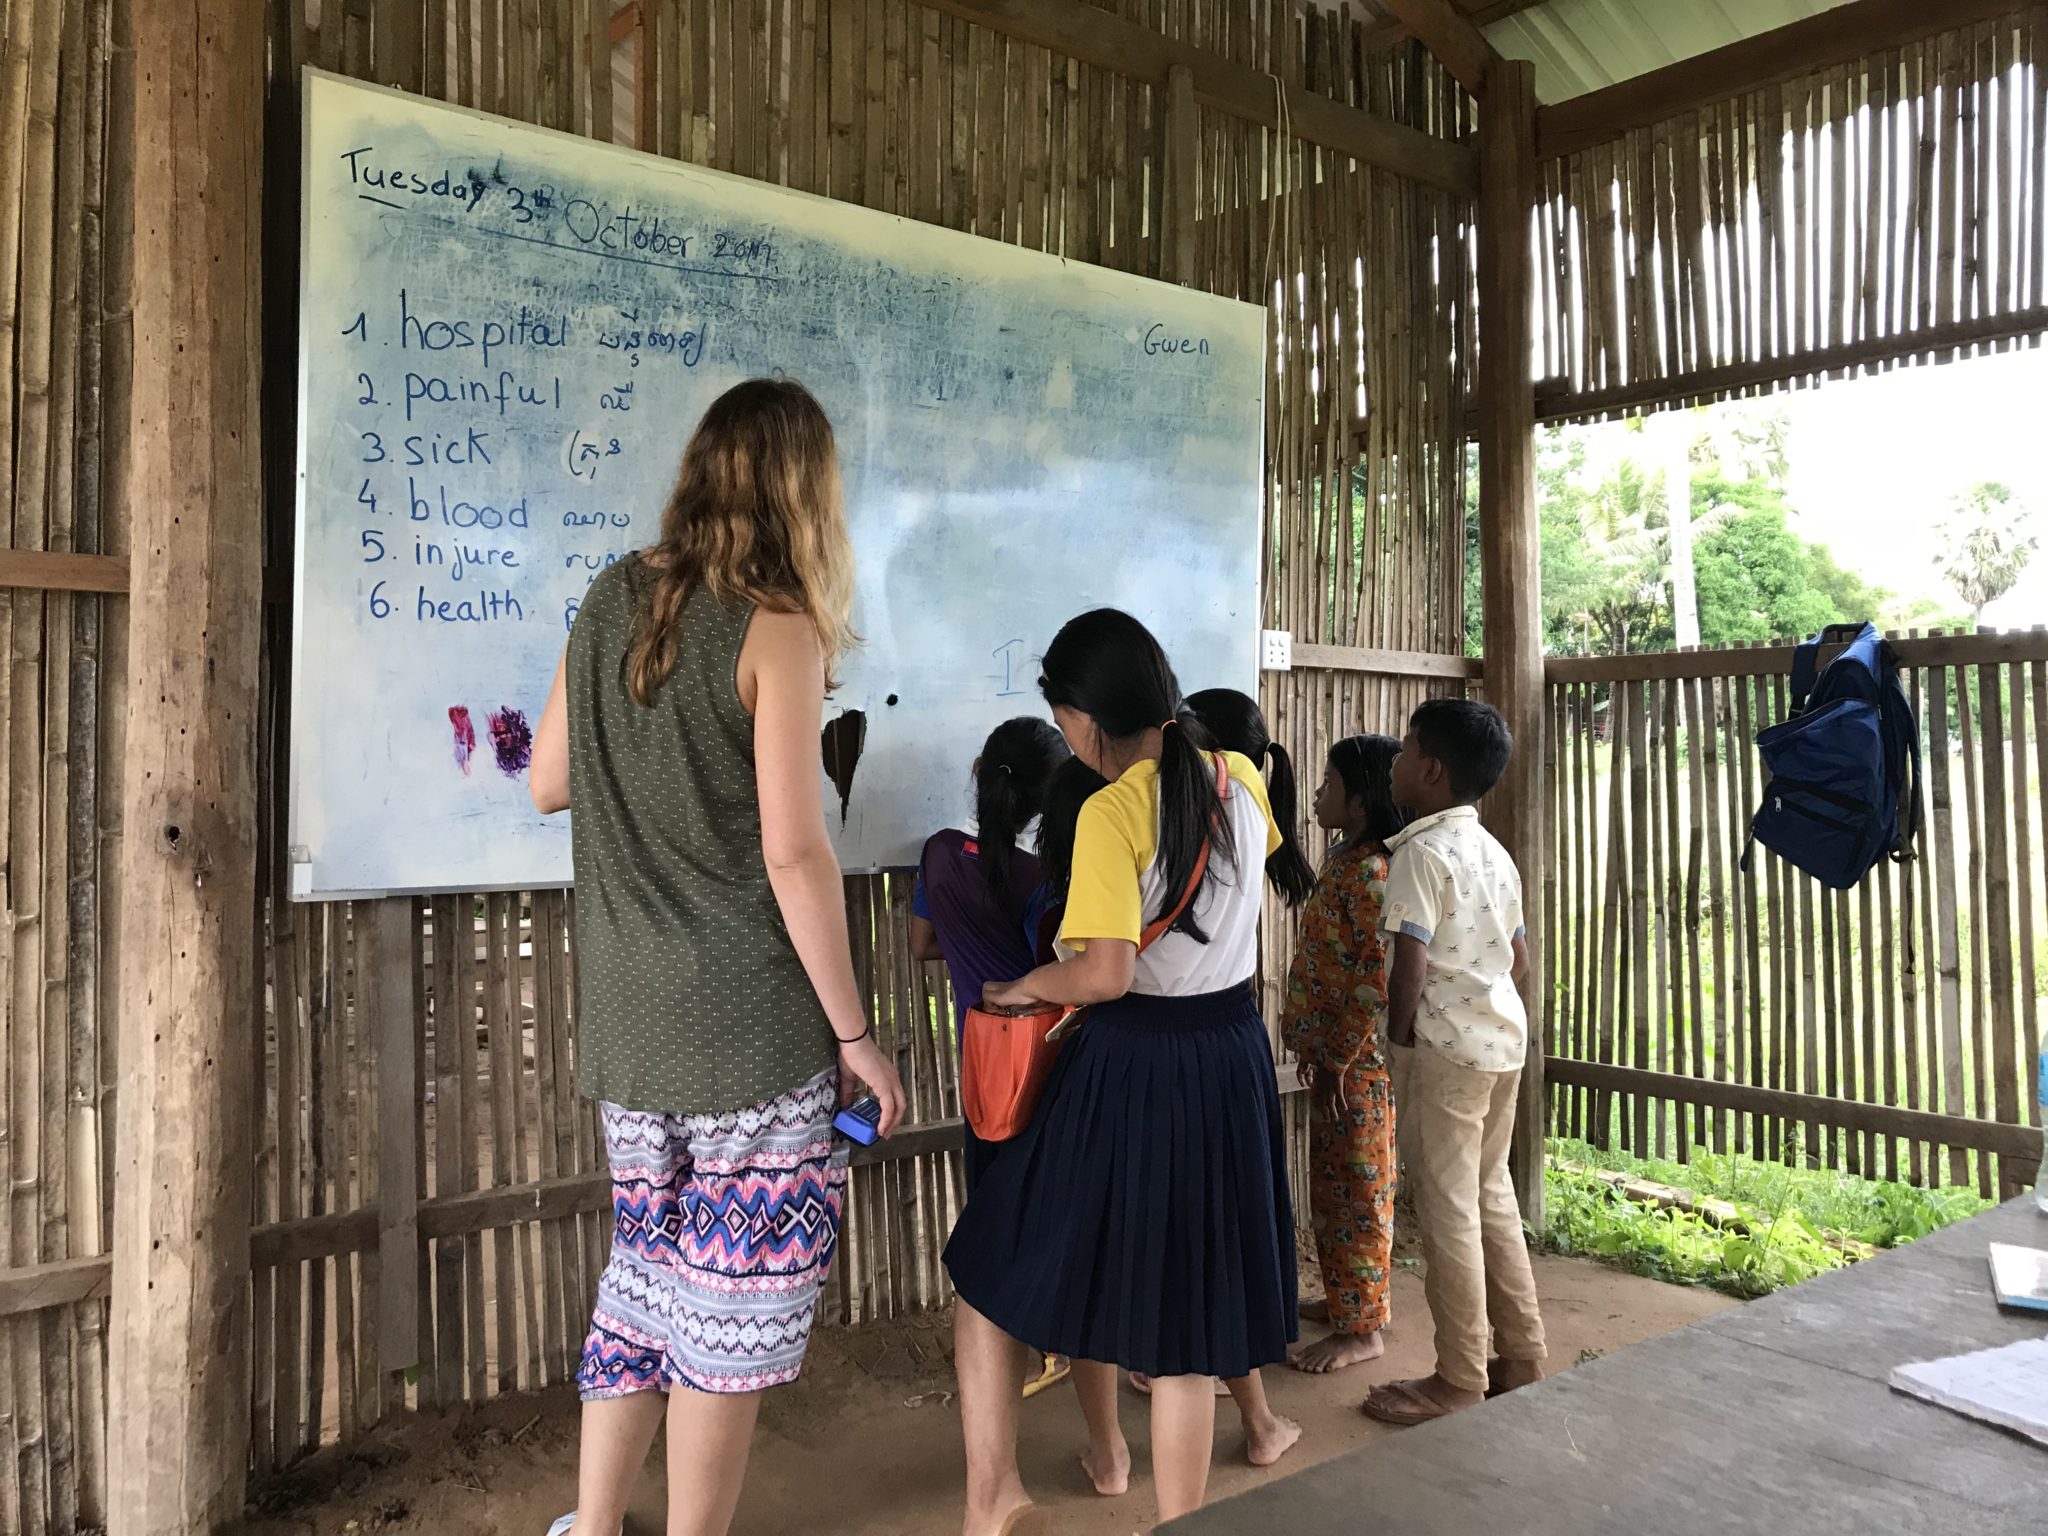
(436, 1038)
(1869, 215)
(1907, 1013)
(63, 350)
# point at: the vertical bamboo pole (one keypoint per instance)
(178, 1433)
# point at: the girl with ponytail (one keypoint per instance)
(1142, 1219)
(974, 883)
(1235, 724)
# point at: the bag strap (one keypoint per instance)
(1156, 929)
(1805, 670)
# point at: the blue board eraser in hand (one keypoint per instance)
(861, 1121)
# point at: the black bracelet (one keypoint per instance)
(856, 1040)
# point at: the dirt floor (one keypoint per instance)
(868, 1443)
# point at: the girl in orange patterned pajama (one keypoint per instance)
(1336, 1006)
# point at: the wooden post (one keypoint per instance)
(1510, 572)
(178, 1430)
(1183, 172)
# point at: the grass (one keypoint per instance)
(1790, 1223)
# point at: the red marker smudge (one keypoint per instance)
(465, 735)
(511, 740)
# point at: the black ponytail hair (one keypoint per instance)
(1365, 765)
(1236, 724)
(1068, 790)
(1107, 666)
(1017, 761)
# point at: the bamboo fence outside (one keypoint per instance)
(1870, 215)
(1907, 1013)
(435, 1038)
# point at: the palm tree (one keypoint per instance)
(1987, 538)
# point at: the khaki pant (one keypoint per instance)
(1456, 1123)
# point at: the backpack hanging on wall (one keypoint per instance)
(1844, 767)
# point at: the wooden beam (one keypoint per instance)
(1097, 38)
(387, 992)
(1358, 658)
(1511, 576)
(49, 572)
(1730, 379)
(625, 22)
(1390, 31)
(178, 1416)
(1183, 172)
(1843, 35)
(1448, 33)
(57, 1284)
(2022, 1143)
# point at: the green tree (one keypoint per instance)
(1987, 538)
(1757, 577)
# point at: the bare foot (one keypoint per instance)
(1111, 1475)
(1266, 1443)
(1316, 1311)
(1338, 1351)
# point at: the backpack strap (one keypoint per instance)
(1909, 794)
(1156, 929)
(1805, 670)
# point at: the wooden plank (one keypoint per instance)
(55, 1283)
(1845, 34)
(178, 1430)
(2019, 1142)
(389, 993)
(1390, 663)
(1137, 52)
(1913, 651)
(1930, 339)
(1510, 570)
(51, 571)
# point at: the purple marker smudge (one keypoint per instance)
(511, 740)
(465, 735)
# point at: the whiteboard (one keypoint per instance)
(506, 335)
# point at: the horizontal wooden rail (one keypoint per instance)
(1097, 38)
(57, 1284)
(1776, 660)
(2022, 1143)
(53, 571)
(1353, 658)
(1727, 379)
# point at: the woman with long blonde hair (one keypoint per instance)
(720, 1023)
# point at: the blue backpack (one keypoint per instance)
(1844, 768)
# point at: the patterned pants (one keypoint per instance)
(1351, 1200)
(725, 1226)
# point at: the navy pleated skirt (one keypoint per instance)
(1142, 1218)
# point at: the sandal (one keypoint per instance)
(1056, 1369)
(1403, 1403)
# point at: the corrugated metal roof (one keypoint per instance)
(1582, 45)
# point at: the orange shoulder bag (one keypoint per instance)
(1007, 1056)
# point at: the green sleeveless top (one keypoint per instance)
(691, 999)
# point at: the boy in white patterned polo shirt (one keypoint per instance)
(1453, 922)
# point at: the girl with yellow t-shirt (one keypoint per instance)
(1142, 1219)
